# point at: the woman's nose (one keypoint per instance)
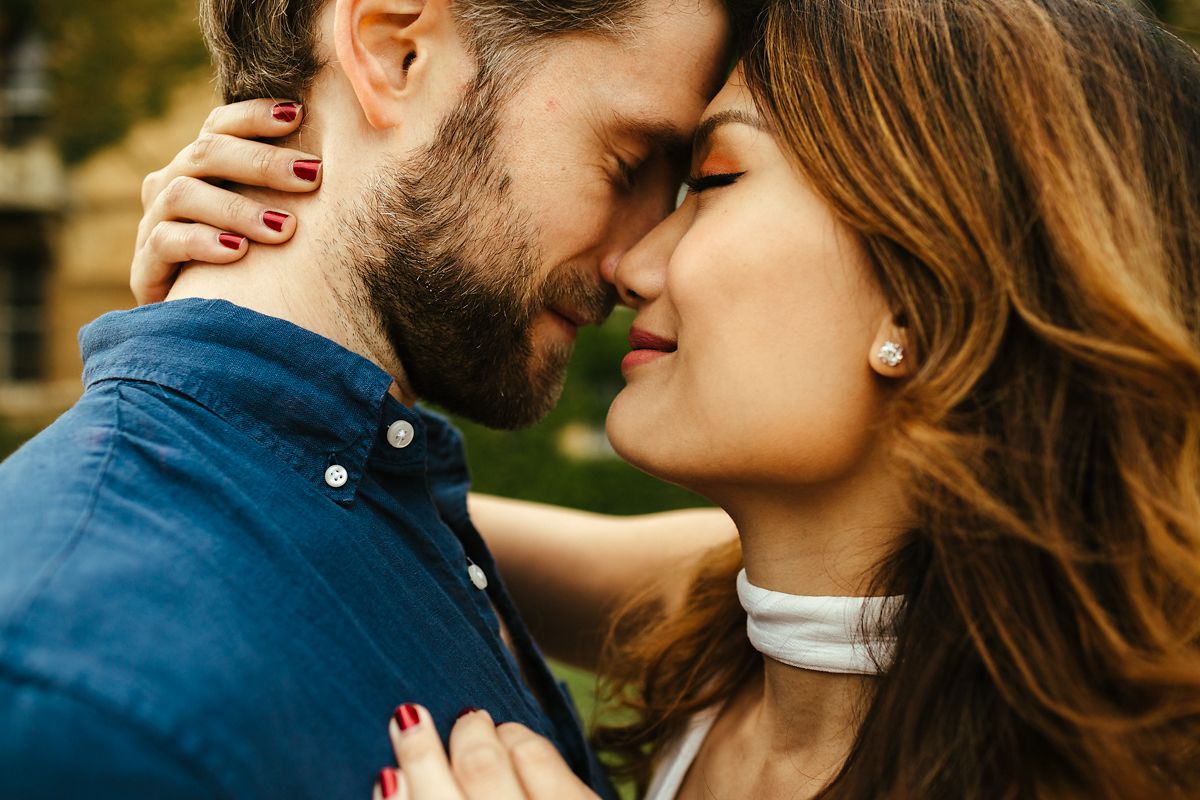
(640, 273)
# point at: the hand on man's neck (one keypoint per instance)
(305, 281)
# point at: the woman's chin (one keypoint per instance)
(642, 443)
(633, 436)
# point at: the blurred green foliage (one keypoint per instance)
(11, 437)
(112, 62)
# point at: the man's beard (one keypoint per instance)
(451, 270)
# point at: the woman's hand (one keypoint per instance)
(509, 762)
(186, 217)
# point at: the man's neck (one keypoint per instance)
(303, 283)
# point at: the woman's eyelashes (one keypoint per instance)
(702, 183)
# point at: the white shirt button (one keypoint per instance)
(478, 576)
(400, 434)
(336, 476)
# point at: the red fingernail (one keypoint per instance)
(285, 112)
(406, 716)
(274, 220)
(306, 170)
(467, 710)
(389, 782)
(232, 240)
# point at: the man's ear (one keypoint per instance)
(386, 49)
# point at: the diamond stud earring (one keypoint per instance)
(891, 354)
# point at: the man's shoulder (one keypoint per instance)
(116, 439)
(123, 575)
(104, 506)
(89, 605)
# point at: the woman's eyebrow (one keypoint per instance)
(733, 116)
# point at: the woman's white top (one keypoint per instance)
(847, 635)
(678, 756)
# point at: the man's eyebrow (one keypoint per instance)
(733, 116)
(661, 134)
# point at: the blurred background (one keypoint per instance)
(94, 94)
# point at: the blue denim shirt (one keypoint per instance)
(190, 607)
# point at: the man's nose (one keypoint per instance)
(631, 229)
(608, 266)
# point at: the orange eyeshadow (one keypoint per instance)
(714, 165)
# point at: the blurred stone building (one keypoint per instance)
(32, 197)
(66, 235)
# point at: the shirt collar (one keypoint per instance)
(309, 400)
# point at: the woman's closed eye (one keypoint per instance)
(702, 183)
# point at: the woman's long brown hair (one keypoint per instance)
(1025, 175)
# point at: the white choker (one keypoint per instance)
(827, 634)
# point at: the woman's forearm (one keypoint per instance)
(568, 570)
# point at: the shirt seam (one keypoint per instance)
(21, 609)
(292, 455)
(120, 715)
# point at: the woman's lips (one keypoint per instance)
(647, 347)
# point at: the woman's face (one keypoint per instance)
(757, 322)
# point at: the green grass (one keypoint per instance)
(582, 685)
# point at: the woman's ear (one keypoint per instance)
(889, 355)
(379, 45)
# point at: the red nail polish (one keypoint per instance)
(389, 782)
(285, 112)
(306, 170)
(232, 240)
(274, 220)
(467, 710)
(406, 716)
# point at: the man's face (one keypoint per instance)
(483, 253)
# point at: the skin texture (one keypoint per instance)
(768, 404)
(559, 162)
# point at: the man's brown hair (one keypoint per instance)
(268, 48)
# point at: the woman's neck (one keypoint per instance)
(785, 735)
(818, 541)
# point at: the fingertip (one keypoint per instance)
(387, 784)
(472, 715)
(288, 112)
(512, 732)
(407, 719)
(308, 170)
(281, 224)
(233, 241)
(409, 716)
